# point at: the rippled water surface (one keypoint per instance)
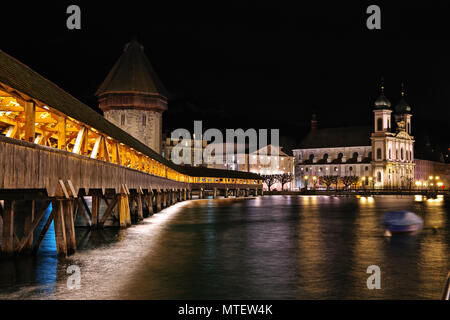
(278, 247)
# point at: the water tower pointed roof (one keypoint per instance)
(132, 73)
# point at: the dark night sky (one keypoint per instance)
(251, 64)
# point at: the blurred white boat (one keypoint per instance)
(402, 221)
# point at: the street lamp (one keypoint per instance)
(363, 182)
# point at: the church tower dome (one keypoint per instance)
(403, 114)
(133, 98)
(382, 102)
(403, 107)
(382, 113)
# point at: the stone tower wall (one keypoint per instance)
(146, 126)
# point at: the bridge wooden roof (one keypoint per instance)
(20, 77)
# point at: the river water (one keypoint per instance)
(272, 247)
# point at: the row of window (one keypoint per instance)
(402, 154)
(340, 156)
(335, 169)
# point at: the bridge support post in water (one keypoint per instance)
(95, 211)
(8, 229)
(60, 229)
(158, 197)
(238, 191)
(215, 193)
(174, 197)
(226, 192)
(140, 209)
(69, 225)
(163, 199)
(167, 198)
(200, 194)
(27, 228)
(124, 208)
(184, 194)
(150, 202)
(247, 192)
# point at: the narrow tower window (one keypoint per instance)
(380, 124)
(122, 120)
(379, 153)
(144, 120)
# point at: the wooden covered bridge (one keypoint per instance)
(55, 151)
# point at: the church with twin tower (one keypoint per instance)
(393, 151)
(133, 98)
(381, 155)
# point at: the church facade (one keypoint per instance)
(380, 156)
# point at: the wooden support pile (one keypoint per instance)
(11, 243)
(65, 208)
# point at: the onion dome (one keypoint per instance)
(403, 107)
(382, 102)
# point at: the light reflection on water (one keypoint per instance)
(279, 247)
